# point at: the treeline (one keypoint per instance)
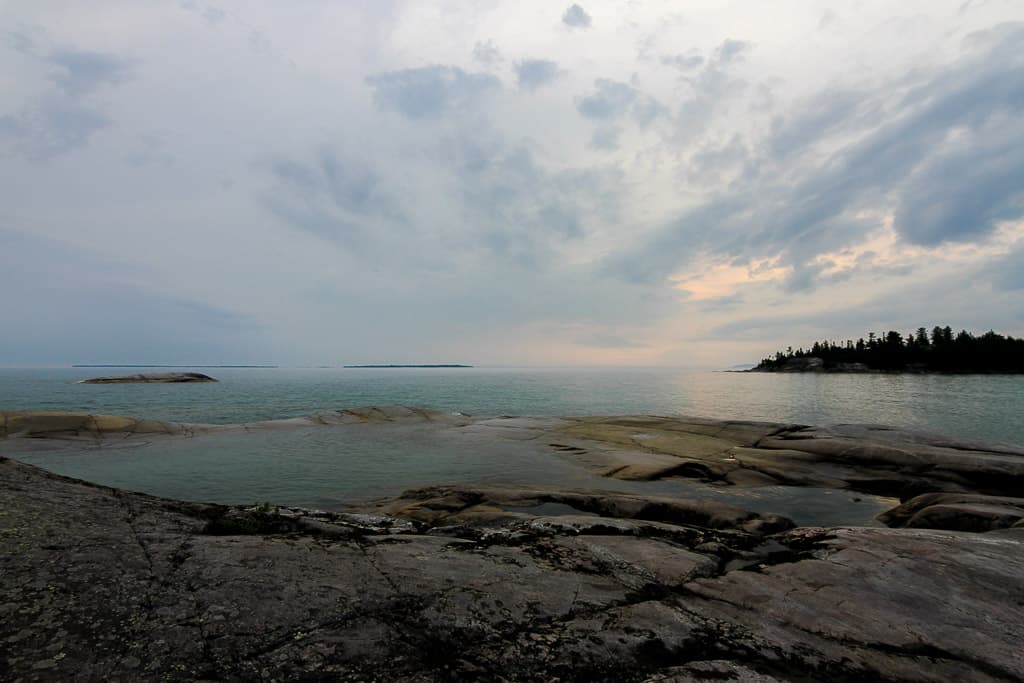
(940, 351)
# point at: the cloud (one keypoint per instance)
(718, 163)
(212, 14)
(533, 73)
(606, 138)
(576, 17)
(962, 193)
(429, 91)
(79, 73)
(62, 118)
(952, 298)
(731, 50)
(612, 100)
(340, 199)
(51, 125)
(822, 116)
(609, 341)
(683, 62)
(487, 53)
(943, 159)
(108, 312)
(505, 197)
(1008, 272)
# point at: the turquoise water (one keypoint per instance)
(332, 467)
(978, 406)
(336, 467)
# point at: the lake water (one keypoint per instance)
(329, 467)
(978, 406)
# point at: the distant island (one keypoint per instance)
(171, 366)
(939, 351)
(152, 378)
(440, 365)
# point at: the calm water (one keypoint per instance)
(330, 467)
(979, 406)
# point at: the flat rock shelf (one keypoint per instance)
(466, 582)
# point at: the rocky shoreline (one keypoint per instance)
(489, 583)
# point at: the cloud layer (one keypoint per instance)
(510, 184)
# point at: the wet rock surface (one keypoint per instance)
(103, 584)
(151, 377)
(523, 584)
(868, 458)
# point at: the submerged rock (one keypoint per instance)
(155, 377)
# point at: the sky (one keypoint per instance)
(645, 183)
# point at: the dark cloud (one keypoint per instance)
(962, 194)
(533, 73)
(822, 116)
(79, 73)
(612, 100)
(64, 119)
(430, 90)
(576, 17)
(517, 210)
(944, 157)
(334, 197)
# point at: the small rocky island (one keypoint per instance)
(151, 377)
(484, 583)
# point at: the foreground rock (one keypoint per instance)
(157, 377)
(102, 584)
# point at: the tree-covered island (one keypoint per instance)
(939, 351)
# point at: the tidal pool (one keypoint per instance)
(351, 465)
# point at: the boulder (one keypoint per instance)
(956, 511)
